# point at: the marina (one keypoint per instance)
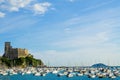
(61, 73)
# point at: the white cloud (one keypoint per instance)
(2, 14)
(41, 8)
(98, 5)
(71, 0)
(77, 41)
(15, 5)
(30, 5)
(67, 30)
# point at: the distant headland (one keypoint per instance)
(99, 65)
(18, 57)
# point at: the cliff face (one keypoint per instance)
(20, 62)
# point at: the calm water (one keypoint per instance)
(49, 77)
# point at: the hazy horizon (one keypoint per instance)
(63, 32)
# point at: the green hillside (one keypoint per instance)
(20, 62)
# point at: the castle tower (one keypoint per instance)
(7, 49)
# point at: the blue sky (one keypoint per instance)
(63, 32)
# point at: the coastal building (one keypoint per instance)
(14, 53)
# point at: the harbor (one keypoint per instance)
(62, 73)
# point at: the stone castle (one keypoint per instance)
(14, 53)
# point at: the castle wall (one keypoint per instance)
(14, 53)
(22, 52)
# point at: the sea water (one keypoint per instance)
(49, 77)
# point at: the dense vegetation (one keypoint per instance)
(21, 62)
